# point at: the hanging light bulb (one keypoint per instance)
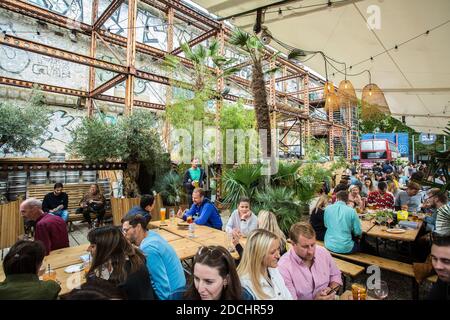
(373, 101)
(328, 87)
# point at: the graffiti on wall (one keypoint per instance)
(70, 8)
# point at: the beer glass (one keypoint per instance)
(358, 292)
(162, 213)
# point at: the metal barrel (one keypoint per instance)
(72, 176)
(57, 176)
(38, 177)
(89, 176)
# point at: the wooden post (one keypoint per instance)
(131, 56)
(92, 52)
(169, 93)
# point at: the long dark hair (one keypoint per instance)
(24, 257)
(112, 247)
(219, 258)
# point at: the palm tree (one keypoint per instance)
(255, 49)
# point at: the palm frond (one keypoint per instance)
(239, 38)
(213, 49)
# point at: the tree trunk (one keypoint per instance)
(130, 178)
(260, 103)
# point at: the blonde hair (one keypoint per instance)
(391, 187)
(252, 263)
(322, 202)
(268, 221)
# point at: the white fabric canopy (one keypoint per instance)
(415, 77)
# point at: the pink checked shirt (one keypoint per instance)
(304, 283)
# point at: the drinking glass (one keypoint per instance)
(358, 292)
(381, 290)
(49, 275)
(191, 232)
(162, 213)
(229, 241)
(172, 216)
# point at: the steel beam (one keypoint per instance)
(107, 85)
(196, 41)
(113, 6)
(131, 56)
(36, 12)
(35, 47)
(178, 6)
(42, 86)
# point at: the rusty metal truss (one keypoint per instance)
(127, 72)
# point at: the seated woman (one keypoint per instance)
(258, 268)
(94, 289)
(21, 266)
(116, 260)
(316, 218)
(214, 277)
(354, 199)
(92, 202)
(268, 221)
(242, 220)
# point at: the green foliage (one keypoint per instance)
(235, 116)
(286, 174)
(131, 139)
(21, 127)
(243, 180)
(95, 140)
(279, 200)
(170, 187)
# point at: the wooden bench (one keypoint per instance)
(402, 268)
(75, 191)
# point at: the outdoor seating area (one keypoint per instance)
(222, 150)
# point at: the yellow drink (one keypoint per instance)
(162, 213)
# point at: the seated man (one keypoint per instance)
(440, 258)
(56, 202)
(144, 208)
(411, 199)
(163, 264)
(308, 270)
(342, 225)
(380, 198)
(49, 229)
(439, 200)
(203, 211)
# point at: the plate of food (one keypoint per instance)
(396, 230)
(74, 268)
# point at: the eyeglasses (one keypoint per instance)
(125, 230)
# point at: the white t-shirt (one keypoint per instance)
(278, 291)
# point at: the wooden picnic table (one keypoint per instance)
(205, 236)
(366, 225)
(409, 235)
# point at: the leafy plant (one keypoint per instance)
(286, 174)
(133, 139)
(241, 181)
(170, 188)
(21, 126)
(280, 201)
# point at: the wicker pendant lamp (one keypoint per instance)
(346, 94)
(373, 100)
(331, 102)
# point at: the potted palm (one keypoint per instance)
(171, 191)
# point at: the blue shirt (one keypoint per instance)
(205, 214)
(163, 264)
(341, 222)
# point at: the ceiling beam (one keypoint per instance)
(113, 6)
(178, 6)
(45, 87)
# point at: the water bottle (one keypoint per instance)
(191, 230)
(172, 217)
